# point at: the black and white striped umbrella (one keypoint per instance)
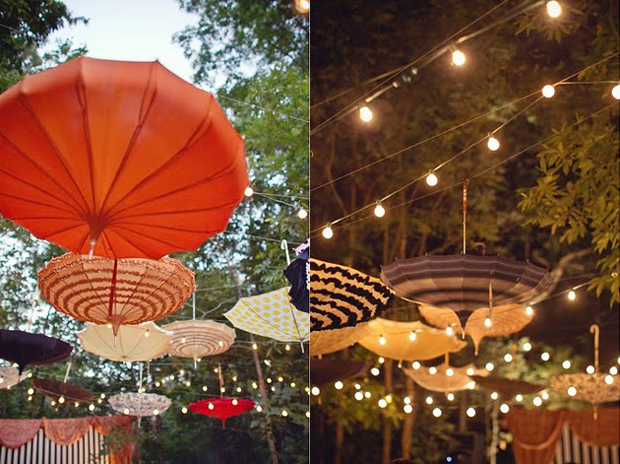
(464, 283)
(343, 297)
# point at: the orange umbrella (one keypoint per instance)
(115, 292)
(122, 158)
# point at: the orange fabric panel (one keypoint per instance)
(535, 433)
(602, 431)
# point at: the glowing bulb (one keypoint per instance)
(254, 346)
(572, 295)
(529, 311)
(316, 391)
(381, 359)
(365, 114)
(308, 414)
(504, 408)
(458, 58)
(259, 408)
(205, 388)
(126, 411)
(554, 9)
(508, 357)
(609, 379)
(77, 405)
(235, 402)
(545, 395)
(470, 371)
(61, 400)
(284, 413)
(280, 378)
(367, 394)
(548, 91)
(527, 346)
(302, 214)
(545, 356)
(449, 331)
(374, 371)
(382, 403)
(30, 399)
(432, 370)
(537, 401)
(413, 336)
(494, 396)
(613, 370)
(303, 6)
(358, 386)
(382, 340)
(249, 191)
(615, 92)
(519, 398)
(184, 410)
(471, 385)
(379, 210)
(211, 406)
(450, 396)
(449, 372)
(431, 179)
(91, 407)
(489, 367)
(572, 391)
(338, 385)
(566, 364)
(493, 143)
(328, 232)
(487, 322)
(147, 333)
(221, 343)
(183, 340)
(359, 396)
(437, 412)
(471, 412)
(429, 400)
(415, 365)
(408, 409)
(31, 391)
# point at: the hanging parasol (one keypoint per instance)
(222, 408)
(140, 404)
(10, 376)
(298, 274)
(343, 297)
(506, 388)
(444, 378)
(123, 291)
(121, 158)
(596, 388)
(271, 315)
(329, 341)
(26, 348)
(141, 342)
(56, 390)
(327, 371)
(198, 339)
(409, 341)
(506, 319)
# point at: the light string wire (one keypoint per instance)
(469, 121)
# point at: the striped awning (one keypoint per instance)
(343, 297)
(464, 283)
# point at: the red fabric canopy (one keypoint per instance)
(222, 408)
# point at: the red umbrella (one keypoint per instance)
(222, 408)
(124, 158)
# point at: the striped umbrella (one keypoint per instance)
(343, 297)
(198, 339)
(464, 283)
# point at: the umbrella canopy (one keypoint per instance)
(126, 154)
(298, 274)
(441, 381)
(55, 390)
(140, 404)
(132, 343)
(271, 315)
(10, 376)
(505, 320)
(26, 348)
(329, 341)
(198, 339)
(326, 371)
(506, 388)
(343, 297)
(109, 291)
(464, 283)
(590, 388)
(222, 408)
(394, 340)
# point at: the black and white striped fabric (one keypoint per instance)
(461, 282)
(90, 449)
(570, 449)
(343, 297)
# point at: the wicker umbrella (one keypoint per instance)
(444, 378)
(25, 348)
(199, 339)
(133, 343)
(140, 404)
(506, 319)
(222, 408)
(506, 388)
(10, 376)
(465, 283)
(343, 297)
(123, 291)
(408, 341)
(61, 391)
(329, 341)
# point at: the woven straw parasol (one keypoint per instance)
(329, 341)
(445, 377)
(61, 391)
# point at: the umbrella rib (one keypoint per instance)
(147, 236)
(81, 97)
(86, 276)
(161, 226)
(295, 321)
(181, 211)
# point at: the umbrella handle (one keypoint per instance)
(284, 246)
(465, 184)
(221, 376)
(93, 242)
(67, 372)
(596, 331)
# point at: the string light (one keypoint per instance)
(437, 412)
(487, 322)
(572, 391)
(432, 370)
(365, 114)
(431, 179)
(293, 384)
(545, 356)
(527, 346)
(358, 386)
(489, 367)
(494, 395)
(61, 400)
(449, 331)
(381, 359)
(287, 347)
(30, 399)
(328, 232)
(470, 371)
(572, 295)
(449, 372)
(471, 412)
(529, 311)
(374, 371)
(302, 214)
(211, 406)
(613, 370)
(545, 395)
(303, 6)
(249, 191)
(566, 364)
(91, 407)
(254, 346)
(554, 9)
(609, 379)
(492, 143)
(284, 413)
(31, 391)
(308, 414)
(205, 388)
(548, 91)
(450, 396)
(338, 385)
(408, 409)
(259, 408)
(382, 340)
(615, 92)
(126, 411)
(184, 410)
(458, 58)
(415, 365)
(382, 403)
(359, 396)
(429, 400)
(147, 333)
(537, 401)
(519, 398)
(508, 357)
(367, 394)
(379, 210)
(412, 336)
(504, 408)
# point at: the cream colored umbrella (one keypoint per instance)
(504, 320)
(409, 341)
(445, 378)
(140, 404)
(198, 339)
(9, 376)
(141, 342)
(329, 341)
(271, 315)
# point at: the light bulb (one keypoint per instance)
(572, 391)
(407, 400)
(183, 340)
(379, 210)
(615, 92)
(548, 91)
(338, 385)
(359, 396)
(572, 295)
(61, 400)
(519, 398)
(449, 331)
(147, 333)
(211, 406)
(302, 213)
(303, 6)
(450, 396)
(221, 343)
(489, 367)
(280, 378)
(31, 391)
(508, 357)
(458, 58)
(412, 336)
(613, 370)
(566, 364)
(77, 405)
(184, 410)
(91, 407)
(470, 371)
(254, 346)
(487, 322)
(609, 379)
(284, 413)
(238, 389)
(537, 401)
(259, 408)
(126, 411)
(545, 356)
(545, 395)
(432, 370)
(367, 394)
(235, 402)
(205, 388)
(249, 191)
(358, 386)
(365, 114)
(504, 408)
(527, 346)
(381, 359)
(429, 400)
(308, 414)
(408, 409)
(382, 403)
(449, 372)
(287, 347)
(493, 143)
(415, 365)
(554, 9)
(431, 179)
(437, 412)
(529, 311)
(188, 384)
(471, 412)
(471, 385)
(328, 232)
(382, 340)
(374, 371)
(494, 395)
